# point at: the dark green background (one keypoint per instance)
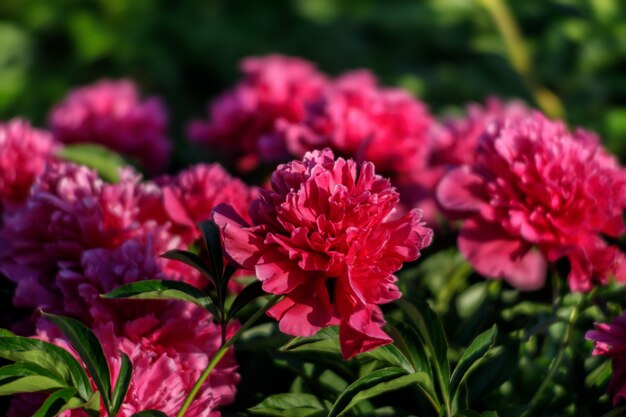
(447, 52)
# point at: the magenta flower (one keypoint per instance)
(274, 88)
(610, 340)
(538, 193)
(322, 236)
(112, 114)
(24, 153)
(70, 210)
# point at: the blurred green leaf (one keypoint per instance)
(106, 162)
(290, 405)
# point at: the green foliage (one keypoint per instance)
(105, 162)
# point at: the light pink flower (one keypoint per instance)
(24, 153)
(111, 113)
(274, 87)
(323, 237)
(610, 340)
(169, 348)
(70, 210)
(537, 193)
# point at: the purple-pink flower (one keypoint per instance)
(24, 153)
(274, 87)
(610, 340)
(323, 236)
(535, 193)
(111, 113)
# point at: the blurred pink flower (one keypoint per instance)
(24, 153)
(610, 340)
(274, 87)
(323, 237)
(537, 193)
(169, 348)
(70, 210)
(112, 114)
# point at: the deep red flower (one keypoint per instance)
(538, 193)
(323, 237)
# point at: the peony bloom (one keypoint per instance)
(537, 193)
(274, 88)
(610, 340)
(70, 210)
(189, 197)
(24, 153)
(323, 237)
(112, 114)
(169, 349)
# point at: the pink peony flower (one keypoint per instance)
(111, 113)
(274, 88)
(323, 237)
(24, 153)
(610, 340)
(537, 193)
(190, 197)
(169, 349)
(70, 210)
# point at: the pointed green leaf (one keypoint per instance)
(106, 162)
(56, 402)
(467, 413)
(20, 369)
(34, 383)
(429, 327)
(50, 357)
(6, 333)
(150, 413)
(472, 356)
(164, 290)
(193, 260)
(213, 245)
(88, 347)
(372, 385)
(248, 294)
(326, 340)
(122, 383)
(290, 405)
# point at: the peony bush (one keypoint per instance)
(344, 252)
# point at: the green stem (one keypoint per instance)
(556, 363)
(222, 351)
(519, 57)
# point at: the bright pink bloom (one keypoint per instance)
(323, 237)
(111, 113)
(190, 196)
(70, 210)
(274, 88)
(169, 348)
(537, 192)
(610, 340)
(24, 153)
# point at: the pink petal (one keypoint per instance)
(462, 190)
(241, 244)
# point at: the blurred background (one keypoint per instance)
(566, 56)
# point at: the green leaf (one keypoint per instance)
(408, 341)
(90, 351)
(248, 294)
(122, 383)
(49, 357)
(34, 383)
(372, 385)
(290, 405)
(150, 413)
(56, 403)
(164, 290)
(106, 162)
(430, 330)
(193, 260)
(21, 369)
(472, 356)
(326, 340)
(213, 245)
(466, 413)
(6, 333)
